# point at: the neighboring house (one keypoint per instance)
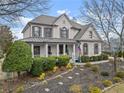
(55, 36)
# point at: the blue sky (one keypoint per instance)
(70, 7)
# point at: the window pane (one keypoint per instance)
(36, 31)
(48, 32)
(64, 32)
(36, 50)
(96, 50)
(85, 49)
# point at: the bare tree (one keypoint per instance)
(11, 10)
(107, 15)
(6, 38)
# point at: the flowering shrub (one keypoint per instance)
(42, 76)
(55, 69)
(107, 83)
(117, 79)
(69, 66)
(94, 89)
(76, 88)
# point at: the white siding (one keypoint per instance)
(87, 37)
(27, 33)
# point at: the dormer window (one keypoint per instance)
(36, 31)
(91, 34)
(63, 32)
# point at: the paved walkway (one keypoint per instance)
(96, 62)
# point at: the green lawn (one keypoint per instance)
(117, 89)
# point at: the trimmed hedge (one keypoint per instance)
(94, 58)
(62, 61)
(42, 64)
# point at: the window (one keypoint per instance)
(91, 34)
(63, 32)
(85, 49)
(36, 50)
(96, 49)
(48, 32)
(49, 50)
(60, 49)
(36, 31)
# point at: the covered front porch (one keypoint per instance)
(53, 49)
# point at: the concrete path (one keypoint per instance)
(96, 62)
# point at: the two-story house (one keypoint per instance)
(55, 36)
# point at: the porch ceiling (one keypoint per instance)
(49, 40)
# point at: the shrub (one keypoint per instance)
(107, 83)
(18, 58)
(94, 89)
(69, 66)
(95, 68)
(41, 64)
(76, 88)
(55, 69)
(85, 59)
(20, 89)
(120, 74)
(93, 58)
(42, 76)
(88, 64)
(104, 56)
(117, 79)
(62, 61)
(49, 63)
(104, 73)
(37, 66)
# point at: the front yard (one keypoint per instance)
(81, 77)
(85, 77)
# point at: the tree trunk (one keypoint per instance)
(115, 64)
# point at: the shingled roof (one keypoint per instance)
(53, 40)
(50, 20)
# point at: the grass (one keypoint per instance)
(117, 89)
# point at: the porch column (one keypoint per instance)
(32, 50)
(42, 31)
(46, 47)
(57, 49)
(74, 50)
(40, 50)
(64, 52)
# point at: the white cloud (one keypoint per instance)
(24, 20)
(17, 33)
(68, 12)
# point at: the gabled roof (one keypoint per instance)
(50, 20)
(82, 31)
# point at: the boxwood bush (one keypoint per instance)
(42, 64)
(107, 83)
(94, 58)
(37, 67)
(120, 74)
(62, 61)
